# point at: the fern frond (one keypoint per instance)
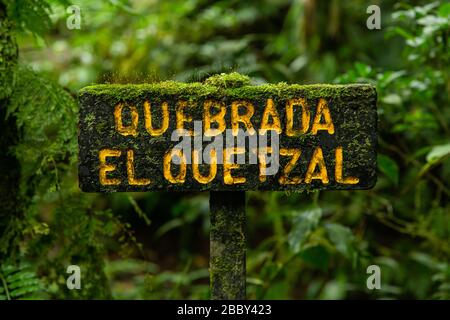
(17, 282)
(46, 114)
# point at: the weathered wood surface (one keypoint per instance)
(135, 149)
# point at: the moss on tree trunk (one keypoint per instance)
(227, 241)
(10, 204)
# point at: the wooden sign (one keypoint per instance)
(177, 136)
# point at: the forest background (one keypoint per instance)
(155, 245)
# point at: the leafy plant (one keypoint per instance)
(18, 282)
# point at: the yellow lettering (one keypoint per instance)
(218, 118)
(164, 119)
(104, 167)
(295, 155)
(322, 110)
(270, 111)
(212, 166)
(132, 180)
(228, 166)
(317, 160)
(262, 154)
(243, 118)
(290, 131)
(130, 130)
(182, 118)
(338, 170)
(180, 178)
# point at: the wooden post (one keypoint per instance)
(227, 245)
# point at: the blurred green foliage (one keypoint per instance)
(300, 245)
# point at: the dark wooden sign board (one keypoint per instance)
(327, 137)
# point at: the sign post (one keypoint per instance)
(227, 136)
(227, 245)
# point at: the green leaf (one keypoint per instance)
(31, 15)
(427, 260)
(386, 78)
(401, 32)
(19, 276)
(316, 256)
(342, 237)
(431, 20)
(24, 290)
(444, 10)
(438, 152)
(334, 290)
(302, 225)
(403, 15)
(9, 269)
(24, 283)
(362, 69)
(171, 224)
(389, 168)
(392, 98)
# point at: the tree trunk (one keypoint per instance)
(10, 204)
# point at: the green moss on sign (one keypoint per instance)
(327, 135)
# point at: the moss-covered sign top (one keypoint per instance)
(177, 136)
